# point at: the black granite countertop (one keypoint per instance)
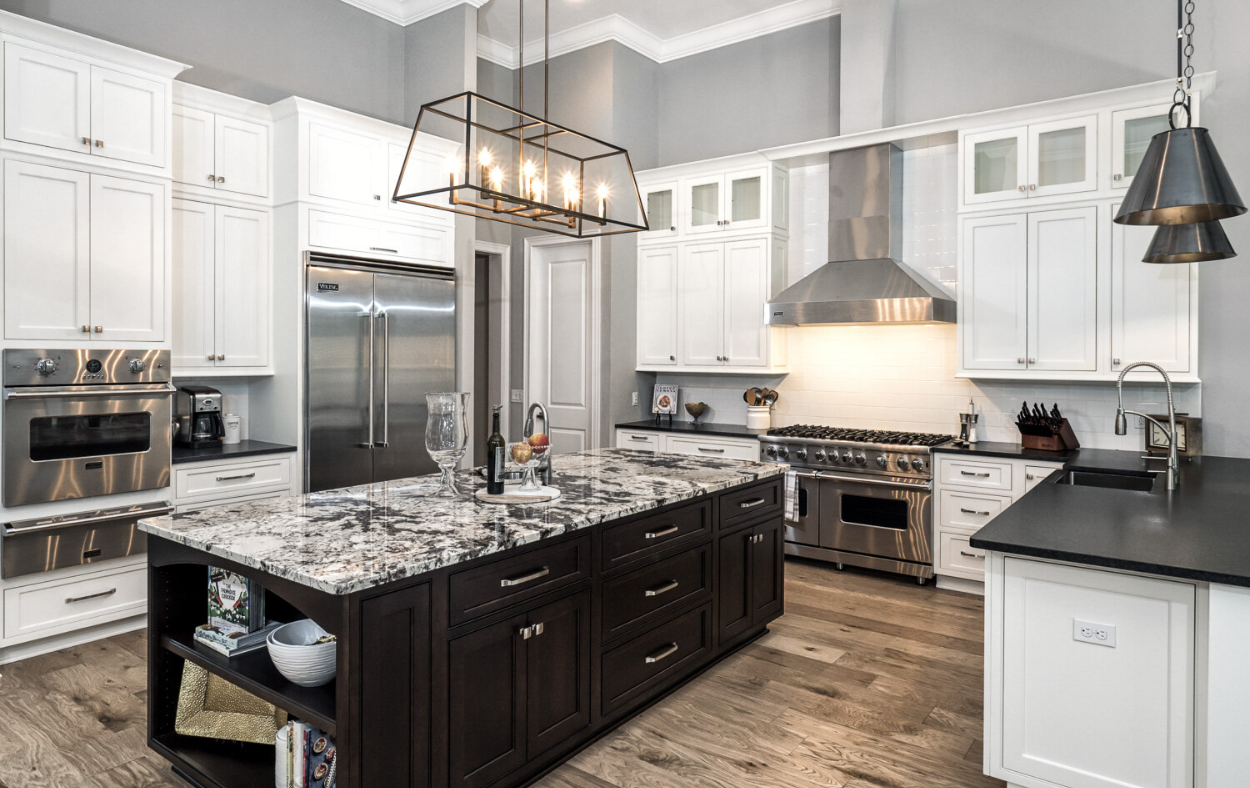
(232, 451)
(1201, 531)
(690, 428)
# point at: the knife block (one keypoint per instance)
(1064, 439)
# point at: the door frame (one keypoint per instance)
(596, 321)
(502, 253)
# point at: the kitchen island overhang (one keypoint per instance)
(645, 572)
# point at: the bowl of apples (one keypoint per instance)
(528, 454)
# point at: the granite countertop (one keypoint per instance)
(231, 451)
(347, 540)
(1200, 531)
(690, 428)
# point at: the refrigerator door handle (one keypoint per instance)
(370, 315)
(386, 381)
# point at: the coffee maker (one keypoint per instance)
(197, 416)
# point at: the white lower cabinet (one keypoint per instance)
(426, 243)
(53, 607)
(1090, 677)
(714, 446)
(222, 273)
(220, 482)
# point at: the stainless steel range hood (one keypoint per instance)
(865, 282)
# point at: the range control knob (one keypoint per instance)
(847, 456)
(819, 456)
(861, 459)
(917, 464)
(881, 460)
(783, 453)
(771, 451)
(801, 454)
(903, 462)
(46, 366)
(137, 365)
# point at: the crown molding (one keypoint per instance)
(405, 12)
(617, 28)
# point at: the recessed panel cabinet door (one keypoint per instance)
(657, 306)
(47, 99)
(242, 287)
(486, 693)
(558, 667)
(193, 147)
(242, 156)
(194, 288)
(127, 260)
(767, 573)
(993, 292)
(746, 291)
(734, 596)
(1063, 290)
(47, 255)
(702, 294)
(395, 689)
(1150, 307)
(127, 117)
(346, 166)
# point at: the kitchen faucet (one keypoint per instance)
(1121, 422)
(544, 465)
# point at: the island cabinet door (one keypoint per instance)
(486, 693)
(767, 574)
(395, 689)
(749, 579)
(557, 659)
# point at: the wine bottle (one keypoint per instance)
(496, 460)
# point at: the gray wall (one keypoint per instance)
(767, 91)
(440, 58)
(266, 51)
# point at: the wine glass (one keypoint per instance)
(527, 456)
(447, 435)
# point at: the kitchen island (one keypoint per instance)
(1117, 616)
(477, 644)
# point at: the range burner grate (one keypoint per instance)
(887, 437)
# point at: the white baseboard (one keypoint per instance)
(961, 585)
(68, 640)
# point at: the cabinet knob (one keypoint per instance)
(1019, 361)
(211, 357)
(377, 197)
(1032, 361)
(1032, 187)
(1023, 188)
(86, 329)
(221, 179)
(86, 141)
(725, 359)
(1116, 177)
(1115, 361)
(99, 329)
(221, 357)
(212, 179)
(673, 229)
(99, 143)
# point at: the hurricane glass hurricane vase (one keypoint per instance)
(447, 436)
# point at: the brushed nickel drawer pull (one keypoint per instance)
(639, 438)
(967, 554)
(662, 654)
(251, 475)
(664, 589)
(526, 633)
(974, 511)
(711, 451)
(979, 475)
(538, 629)
(751, 504)
(100, 595)
(523, 579)
(672, 529)
(383, 249)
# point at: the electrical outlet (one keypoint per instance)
(1139, 423)
(518, 395)
(1089, 632)
(634, 399)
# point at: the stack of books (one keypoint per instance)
(236, 614)
(306, 757)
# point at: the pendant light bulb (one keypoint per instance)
(483, 157)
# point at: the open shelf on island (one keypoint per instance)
(227, 763)
(255, 672)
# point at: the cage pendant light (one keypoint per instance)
(508, 165)
(1182, 179)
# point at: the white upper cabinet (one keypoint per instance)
(661, 203)
(194, 286)
(1152, 305)
(241, 156)
(701, 310)
(221, 145)
(657, 306)
(735, 201)
(127, 260)
(47, 252)
(346, 166)
(993, 293)
(193, 160)
(1063, 290)
(1131, 132)
(704, 204)
(63, 101)
(1038, 160)
(996, 165)
(746, 291)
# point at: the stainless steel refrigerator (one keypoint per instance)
(379, 339)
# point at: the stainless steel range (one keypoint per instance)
(863, 497)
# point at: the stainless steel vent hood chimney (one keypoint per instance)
(864, 282)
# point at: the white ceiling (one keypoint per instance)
(660, 29)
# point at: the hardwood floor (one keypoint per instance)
(868, 681)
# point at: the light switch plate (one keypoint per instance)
(1089, 632)
(634, 399)
(518, 395)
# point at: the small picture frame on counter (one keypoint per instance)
(664, 402)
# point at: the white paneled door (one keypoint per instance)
(1063, 290)
(562, 361)
(127, 117)
(993, 299)
(242, 287)
(346, 166)
(746, 289)
(193, 155)
(47, 99)
(1151, 304)
(657, 305)
(193, 285)
(242, 156)
(127, 260)
(46, 252)
(701, 290)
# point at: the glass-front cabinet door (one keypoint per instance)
(660, 202)
(1063, 156)
(1131, 132)
(705, 204)
(746, 193)
(996, 165)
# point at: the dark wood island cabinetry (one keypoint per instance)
(477, 645)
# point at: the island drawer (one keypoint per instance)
(648, 535)
(487, 589)
(649, 592)
(753, 503)
(656, 656)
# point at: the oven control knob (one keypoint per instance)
(46, 366)
(801, 454)
(847, 456)
(917, 464)
(903, 462)
(771, 451)
(137, 365)
(861, 459)
(881, 460)
(783, 452)
(819, 456)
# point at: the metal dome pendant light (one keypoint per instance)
(508, 165)
(1182, 179)
(1189, 243)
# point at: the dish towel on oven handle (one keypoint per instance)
(792, 497)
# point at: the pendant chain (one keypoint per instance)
(1184, 62)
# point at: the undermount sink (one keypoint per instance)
(1112, 481)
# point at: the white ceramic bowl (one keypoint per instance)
(299, 658)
